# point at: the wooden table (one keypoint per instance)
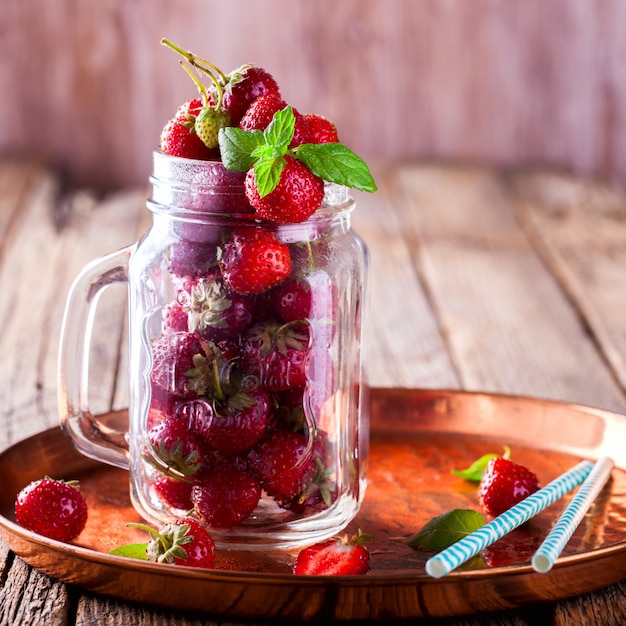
(500, 281)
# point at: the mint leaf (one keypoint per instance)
(444, 530)
(336, 164)
(132, 551)
(236, 147)
(280, 130)
(267, 174)
(476, 470)
(267, 151)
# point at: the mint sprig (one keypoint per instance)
(238, 146)
(336, 164)
(446, 529)
(266, 151)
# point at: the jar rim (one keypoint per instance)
(205, 186)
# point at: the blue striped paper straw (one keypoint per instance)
(464, 549)
(552, 546)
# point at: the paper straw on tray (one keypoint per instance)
(450, 558)
(552, 546)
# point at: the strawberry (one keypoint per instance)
(174, 446)
(308, 297)
(504, 484)
(517, 546)
(261, 112)
(283, 464)
(245, 85)
(176, 493)
(298, 194)
(191, 258)
(178, 137)
(293, 300)
(183, 542)
(174, 318)
(313, 128)
(162, 403)
(52, 508)
(208, 123)
(321, 489)
(277, 354)
(225, 497)
(241, 423)
(346, 556)
(173, 357)
(213, 311)
(253, 261)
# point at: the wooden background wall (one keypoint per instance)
(86, 85)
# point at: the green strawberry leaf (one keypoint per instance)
(279, 132)
(267, 174)
(444, 530)
(336, 163)
(476, 470)
(132, 551)
(237, 147)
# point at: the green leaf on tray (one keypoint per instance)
(132, 551)
(476, 470)
(444, 530)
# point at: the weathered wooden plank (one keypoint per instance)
(45, 250)
(14, 177)
(606, 607)
(120, 399)
(579, 228)
(104, 227)
(404, 344)
(443, 79)
(25, 279)
(105, 612)
(109, 612)
(29, 597)
(509, 327)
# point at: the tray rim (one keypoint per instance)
(12, 531)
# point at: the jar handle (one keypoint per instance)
(87, 433)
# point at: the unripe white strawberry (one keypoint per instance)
(208, 124)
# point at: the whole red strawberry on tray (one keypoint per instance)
(185, 541)
(52, 508)
(504, 484)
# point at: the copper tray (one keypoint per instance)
(417, 438)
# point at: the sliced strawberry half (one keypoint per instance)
(335, 557)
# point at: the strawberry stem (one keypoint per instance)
(155, 533)
(194, 60)
(204, 66)
(219, 393)
(309, 254)
(199, 85)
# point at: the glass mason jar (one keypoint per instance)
(247, 403)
